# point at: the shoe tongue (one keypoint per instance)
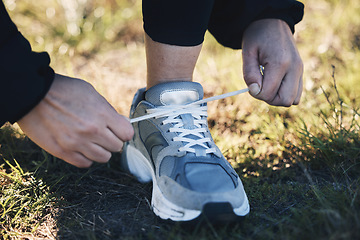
(174, 93)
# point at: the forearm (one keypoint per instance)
(25, 76)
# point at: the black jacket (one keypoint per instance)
(25, 76)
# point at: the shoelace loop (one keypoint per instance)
(191, 137)
(197, 111)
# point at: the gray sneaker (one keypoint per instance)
(177, 153)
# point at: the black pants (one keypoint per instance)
(184, 22)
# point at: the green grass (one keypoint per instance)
(300, 166)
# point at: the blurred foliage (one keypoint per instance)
(66, 27)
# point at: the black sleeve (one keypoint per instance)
(228, 25)
(184, 22)
(25, 76)
(177, 22)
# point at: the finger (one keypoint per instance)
(121, 127)
(109, 141)
(52, 146)
(70, 156)
(286, 94)
(300, 90)
(289, 88)
(251, 71)
(77, 159)
(273, 77)
(94, 152)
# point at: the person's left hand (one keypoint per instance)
(269, 42)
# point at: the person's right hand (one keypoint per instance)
(75, 123)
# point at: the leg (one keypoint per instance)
(167, 63)
(174, 32)
(175, 151)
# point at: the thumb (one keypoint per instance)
(253, 74)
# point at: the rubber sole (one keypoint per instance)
(137, 164)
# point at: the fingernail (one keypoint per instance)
(254, 89)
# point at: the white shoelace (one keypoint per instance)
(197, 111)
(174, 108)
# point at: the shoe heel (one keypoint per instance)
(133, 162)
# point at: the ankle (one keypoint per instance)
(151, 82)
